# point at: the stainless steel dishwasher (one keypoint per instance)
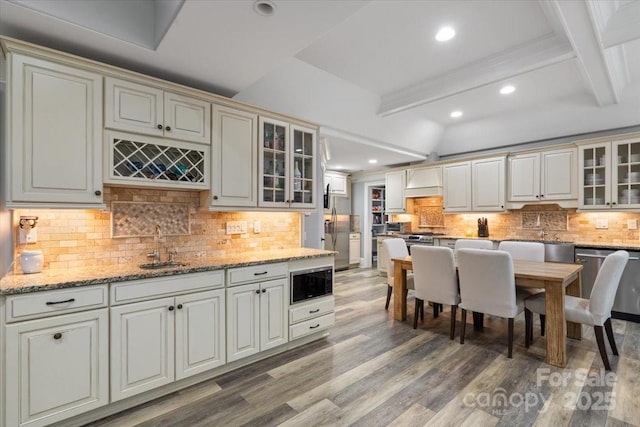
(627, 302)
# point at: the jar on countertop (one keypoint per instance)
(31, 261)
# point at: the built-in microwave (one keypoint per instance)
(312, 283)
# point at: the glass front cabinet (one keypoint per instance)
(287, 163)
(610, 175)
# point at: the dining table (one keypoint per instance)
(557, 279)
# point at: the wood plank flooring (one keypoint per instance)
(374, 371)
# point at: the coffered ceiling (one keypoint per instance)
(371, 73)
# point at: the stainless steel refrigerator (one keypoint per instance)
(336, 230)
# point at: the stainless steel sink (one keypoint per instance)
(159, 265)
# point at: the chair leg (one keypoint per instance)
(612, 341)
(603, 351)
(463, 326)
(510, 338)
(543, 319)
(528, 321)
(416, 313)
(422, 310)
(453, 321)
(435, 310)
(389, 290)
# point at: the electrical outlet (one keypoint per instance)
(28, 236)
(256, 226)
(632, 224)
(602, 224)
(236, 227)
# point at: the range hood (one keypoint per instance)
(424, 182)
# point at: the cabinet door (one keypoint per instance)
(187, 118)
(56, 367)
(594, 176)
(243, 321)
(337, 184)
(133, 107)
(273, 163)
(234, 158)
(302, 167)
(200, 332)
(274, 329)
(142, 347)
(488, 178)
(382, 256)
(457, 187)
(559, 175)
(524, 177)
(625, 174)
(394, 191)
(354, 250)
(56, 152)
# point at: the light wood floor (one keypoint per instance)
(374, 371)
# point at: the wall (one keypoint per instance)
(82, 238)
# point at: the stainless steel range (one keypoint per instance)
(417, 239)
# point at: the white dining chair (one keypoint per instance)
(524, 251)
(595, 311)
(487, 285)
(395, 248)
(473, 243)
(435, 280)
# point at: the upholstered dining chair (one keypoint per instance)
(473, 243)
(435, 280)
(487, 285)
(395, 248)
(595, 311)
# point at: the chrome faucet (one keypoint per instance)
(157, 235)
(542, 234)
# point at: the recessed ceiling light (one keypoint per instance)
(506, 90)
(373, 161)
(264, 7)
(445, 33)
(456, 114)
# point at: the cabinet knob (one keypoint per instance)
(179, 306)
(171, 308)
(160, 127)
(215, 197)
(537, 197)
(257, 291)
(57, 336)
(613, 203)
(97, 193)
(607, 203)
(167, 128)
(264, 290)
(501, 206)
(542, 196)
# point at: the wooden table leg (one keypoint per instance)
(574, 330)
(556, 327)
(399, 291)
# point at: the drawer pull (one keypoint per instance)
(57, 336)
(60, 302)
(314, 311)
(313, 327)
(260, 274)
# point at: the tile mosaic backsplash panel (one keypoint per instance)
(132, 219)
(544, 220)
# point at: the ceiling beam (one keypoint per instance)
(533, 55)
(348, 136)
(622, 26)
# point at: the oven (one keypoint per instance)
(312, 283)
(412, 239)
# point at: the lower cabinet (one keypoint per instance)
(156, 342)
(56, 367)
(308, 318)
(256, 317)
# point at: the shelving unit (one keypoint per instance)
(378, 218)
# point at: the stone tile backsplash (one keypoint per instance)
(133, 219)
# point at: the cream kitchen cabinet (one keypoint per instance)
(609, 175)
(234, 156)
(457, 187)
(550, 175)
(394, 183)
(136, 107)
(354, 248)
(488, 180)
(56, 367)
(287, 165)
(338, 183)
(54, 153)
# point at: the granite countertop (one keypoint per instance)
(68, 278)
(582, 244)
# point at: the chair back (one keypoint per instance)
(605, 287)
(473, 243)
(434, 274)
(487, 282)
(524, 251)
(394, 248)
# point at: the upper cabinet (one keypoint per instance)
(152, 111)
(287, 165)
(609, 175)
(55, 134)
(338, 183)
(394, 183)
(457, 187)
(477, 185)
(544, 176)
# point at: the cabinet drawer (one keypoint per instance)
(42, 304)
(317, 308)
(312, 325)
(138, 290)
(256, 273)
